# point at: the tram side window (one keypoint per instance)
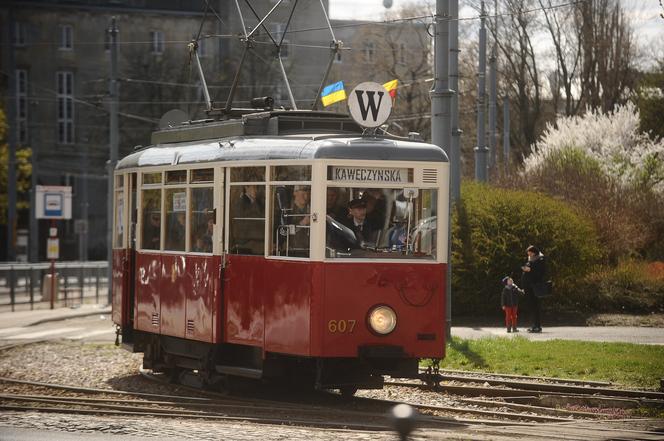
(291, 220)
(151, 218)
(201, 220)
(176, 209)
(118, 234)
(119, 217)
(247, 219)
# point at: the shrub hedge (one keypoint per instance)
(634, 287)
(490, 232)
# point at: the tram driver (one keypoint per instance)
(357, 221)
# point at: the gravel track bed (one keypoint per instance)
(106, 366)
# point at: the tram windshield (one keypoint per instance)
(390, 223)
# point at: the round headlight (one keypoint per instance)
(382, 320)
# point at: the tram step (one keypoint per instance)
(240, 371)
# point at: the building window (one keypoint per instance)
(65, 111)
(277, 30)
(402, 53)
(20, 33)
(66, 37)
(369, 51)
(203, 47)
(157, 39)
(22, 106)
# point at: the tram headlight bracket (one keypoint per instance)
(382, 320)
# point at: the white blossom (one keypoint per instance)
(613, 139)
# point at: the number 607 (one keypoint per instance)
(341, 326)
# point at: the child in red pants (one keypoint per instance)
(510, 303)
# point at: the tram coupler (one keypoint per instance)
(431, 376)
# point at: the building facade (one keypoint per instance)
(55, 68)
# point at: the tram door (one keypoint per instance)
(131, 258)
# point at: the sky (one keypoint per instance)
(649, 26)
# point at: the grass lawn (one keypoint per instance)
(625, 364)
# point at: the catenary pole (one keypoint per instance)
(440, 108)
(493, 98)
(113, 145)
(481, 151)
(506, 134)
(455, 149)
(11, 139)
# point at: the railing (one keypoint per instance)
(76, 283)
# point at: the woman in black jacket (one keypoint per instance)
(534, 272)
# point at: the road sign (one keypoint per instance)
(53, 248)
(53, 202)
(369, 104)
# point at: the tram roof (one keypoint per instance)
(279, 137)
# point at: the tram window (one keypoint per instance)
(119, 218)
(151, 218)
(291, 220)
(119, 181)
(291, 173)
(202, 175)
(176, 209)
(388, 223)
(152, 178)
(201, 220)
(248, 174)
(176, 177)
(247, 219)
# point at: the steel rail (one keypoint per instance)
(524, 377)
(464, 410)
(548, 388)
(273, 421)
(102, 391)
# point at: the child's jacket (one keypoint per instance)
(510, 296)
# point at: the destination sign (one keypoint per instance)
(368, 174)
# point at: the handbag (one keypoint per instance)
(543, 289)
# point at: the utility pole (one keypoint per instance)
(11, 139)
(506, 133)
(493, 104)
(493, 98)
(481, 151)
(440, 116)
(113, 144)
(455, 149)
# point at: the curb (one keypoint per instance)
(106, 310)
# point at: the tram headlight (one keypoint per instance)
(382, 320)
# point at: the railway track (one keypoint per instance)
(220, 408)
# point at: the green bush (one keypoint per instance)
(490, 232)
(631, 287)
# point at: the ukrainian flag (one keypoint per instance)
(333, 93)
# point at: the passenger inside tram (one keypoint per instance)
(247, 220)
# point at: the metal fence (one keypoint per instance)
(76, 283)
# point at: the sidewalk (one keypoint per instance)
(624, 334)
(17, 319)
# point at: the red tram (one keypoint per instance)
(282, 244)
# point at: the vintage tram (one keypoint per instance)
(282, 244)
